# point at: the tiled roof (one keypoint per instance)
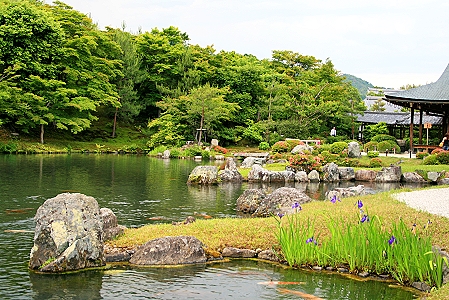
(396, 118)
(436, 91)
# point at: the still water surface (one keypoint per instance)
(138, 188)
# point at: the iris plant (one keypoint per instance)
(392, 240)
(334, 199)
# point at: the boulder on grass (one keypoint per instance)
(280, 202)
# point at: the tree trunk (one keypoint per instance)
(201, 127)
(115, 122)
(42, 133)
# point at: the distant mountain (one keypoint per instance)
(360, 84)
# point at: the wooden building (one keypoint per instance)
(431, 100)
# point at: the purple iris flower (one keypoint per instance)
(280, 215)
(296, 206)
(335, 199)
(364, 219)
(311, 240)
(392, 240)
(359, 203)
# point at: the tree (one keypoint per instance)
(132, 75)
(160, 51)
(203, 109)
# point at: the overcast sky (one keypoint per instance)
(388, 43)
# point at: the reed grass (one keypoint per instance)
(363, 244)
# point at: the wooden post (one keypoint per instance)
(420, 126)
(412, 114)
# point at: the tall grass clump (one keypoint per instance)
(363, 244)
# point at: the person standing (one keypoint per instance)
(333, 131)
(445, 141)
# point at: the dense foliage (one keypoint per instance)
(58, 71)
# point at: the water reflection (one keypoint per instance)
(82, 285)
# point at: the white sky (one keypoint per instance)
(388, 43)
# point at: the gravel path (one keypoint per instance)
(435, 201)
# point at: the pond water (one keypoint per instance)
(139, 189)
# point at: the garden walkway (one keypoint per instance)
(434, 201)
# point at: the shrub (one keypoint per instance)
(281, 146)
(370, 146)
(205, 154)
(9, 147)
(375, 162)
(384, 137)
(306, 162)
(293, 143)
(338, 147)
(421, 155)
(264, 146)
(372, 154)
(443, 158)
(220, 149)
(323, 147)
(329, 157)
(430, 160)
(436, 151)
(194, 151)
(388, 145)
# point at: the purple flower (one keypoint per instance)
(335, 199)
(280, 215)
(296, 206)
(364, 219)
(392, 240)
(311, 240)
(359, 203)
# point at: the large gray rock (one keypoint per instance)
(389, 174)
(302, 149)
(330, 173)
(230, 172)
(412, 177)
(301, 176)
(314, 176)
(166, 154)
(250, 200)
(203, 175)
(346, 173)
(111, 228)
(170, 250)
(365, 175)
(258, 174)
(68, 234)
(248, 162)
(289, 176)
(433, 176)
(238, 253)
(346, 192)
(354, 150)
(281, 201)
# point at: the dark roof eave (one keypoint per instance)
(409, 100)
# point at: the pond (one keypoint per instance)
(143, 190)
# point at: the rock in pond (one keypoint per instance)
(250, 200)
(203, 175)
(230, 172)
(111, 228)
(68, 234)
(170, 250)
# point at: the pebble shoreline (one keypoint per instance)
(434, 201)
